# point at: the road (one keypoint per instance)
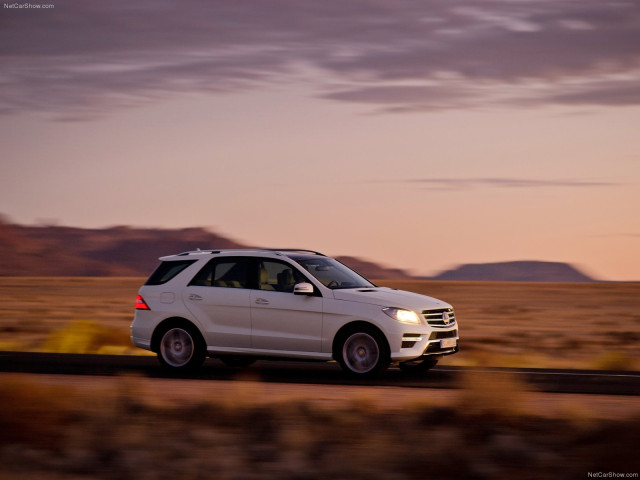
(544, 380)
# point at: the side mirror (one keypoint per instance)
(303, 289)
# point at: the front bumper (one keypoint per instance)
(434, 348)
(426, 343)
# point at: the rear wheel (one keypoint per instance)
(181, 348)
(363, 353)
(418, 366)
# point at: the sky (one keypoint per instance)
(418, 134)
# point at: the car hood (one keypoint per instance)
(389, 297)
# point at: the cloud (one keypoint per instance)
(82, 59)
(615, 93)
(470, 183)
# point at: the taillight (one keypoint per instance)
(141, 304)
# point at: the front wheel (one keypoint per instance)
(181, 349)
(418, 366)
(363, 353)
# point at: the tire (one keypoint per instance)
(363, 352)
(237, 361)
(181, 348)
(418, 366)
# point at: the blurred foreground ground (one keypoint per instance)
(66, 427)
(560, 325)
(88, 427)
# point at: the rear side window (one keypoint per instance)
(167, 270)
(230, 272)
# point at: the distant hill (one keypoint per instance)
(129, 251)
(116, 251)
(521, 271)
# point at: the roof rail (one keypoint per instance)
(217, 250)
(220, 250)
(301, 250)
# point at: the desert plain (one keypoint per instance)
(491, 427)
(545, 325)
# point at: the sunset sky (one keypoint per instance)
(417, 134)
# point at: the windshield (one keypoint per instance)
(333, 274)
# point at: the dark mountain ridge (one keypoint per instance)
(115, 251)
(131, 251)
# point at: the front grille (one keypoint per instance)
(436, 318)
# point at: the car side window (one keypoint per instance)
(277, 276)
(167, 270)
(229, 272)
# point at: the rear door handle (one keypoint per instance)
(262, 301)
(193, 296)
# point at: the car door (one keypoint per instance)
(218, 296)
(280, 320)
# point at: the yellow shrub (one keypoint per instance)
(85, 336)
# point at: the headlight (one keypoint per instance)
(402, 316)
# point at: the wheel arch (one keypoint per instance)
(352, 327)
(172, 322)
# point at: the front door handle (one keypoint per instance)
(262, 301)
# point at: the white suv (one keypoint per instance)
(241, 305)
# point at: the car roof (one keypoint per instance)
(270, 252)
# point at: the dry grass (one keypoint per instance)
(70, 315)
(493, 394)
(501, 324)
(549, 325)
(121, 432)
(492, 428)
(86, 336)
(32, 413)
